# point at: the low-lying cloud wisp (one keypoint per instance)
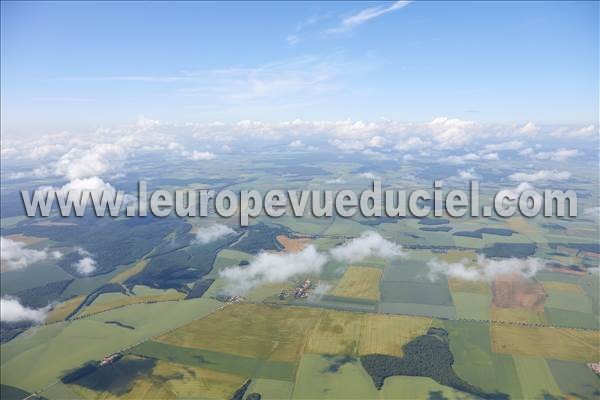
(279, 267)
(213, 233)
(485, 269)
(11, 310)
(14, 255)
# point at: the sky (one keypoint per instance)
(80, 65)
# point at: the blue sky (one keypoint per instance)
(79, 65)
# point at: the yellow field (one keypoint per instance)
(61, 311)
(359, 282)
(457, 255)
(172, 381)
(518, 315)
(562, 286)
(337, 332)
(123, 276)
(119, 300)
(386, 334)
(341, 332)
(546, 342)
(459, 285)
(251, 330)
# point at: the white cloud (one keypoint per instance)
(84, 163)
(521, 187)
(468, 175)
(213, 233)
(510, 145)
(15, 256)
(583, 132)
(557, 155)
(452, 132)
(296, 144)
(272, 268)
(279, 267)
(365, 15)
(529, 129)
(366, 245)
(11, 310)
(347, 145)
(377, 141)
(369, 175)
(485, 269)
(413, 142)
(86, 264)
(93, 184)
(543, 175)
(527, 152)
(202, 155)
(461, 159)
(490, 157)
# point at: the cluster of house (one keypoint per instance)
(595, 367)
(110, 359)
(301, 291)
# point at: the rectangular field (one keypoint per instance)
(546, 342)
(359, 282)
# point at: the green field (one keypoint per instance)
(43, 354)
(222, 362)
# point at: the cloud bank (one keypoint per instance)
(213, 233)
(280, 267)
(15, 256)
(367, 245)
(11, 310)
(86, 264)
(273, 267)
(485, 269)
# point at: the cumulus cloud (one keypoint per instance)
(93, 184)
(369, 175)
(462, 159)
(86, 264)
(336, 181)
(366, 245)
(528, 129)
(201, 155)
(520, 188)
(377, 141)
(557, 155)
(543, 175)
(272, 268)
(296, 144)
(579, 133)
(84, 163)
(213, 233)
(485, 269)
(15, 256)
(468, 175)
(510, 145)
(490, 157)
(347, 145)
(413, 142)
(11, 310)
(452, 132)
(279, 267)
